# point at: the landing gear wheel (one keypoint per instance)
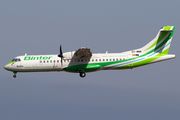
(14, 76)
(82, 74)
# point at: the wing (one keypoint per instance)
(83, 52)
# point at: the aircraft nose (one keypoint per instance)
(6, 67)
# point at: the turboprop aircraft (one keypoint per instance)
(83, 61)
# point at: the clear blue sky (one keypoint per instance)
(40, 26)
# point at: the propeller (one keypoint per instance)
(61, 54)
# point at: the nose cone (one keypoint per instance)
(6, 67)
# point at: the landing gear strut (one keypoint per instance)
(82, 74)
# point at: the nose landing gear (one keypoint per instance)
(14, 76)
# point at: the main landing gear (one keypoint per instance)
(14, 76)
(82, 74)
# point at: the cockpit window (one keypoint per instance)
(13, 60)
(16, 59)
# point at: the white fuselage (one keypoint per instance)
(45, 63)
(34, 63)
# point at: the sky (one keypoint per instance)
(40, 26)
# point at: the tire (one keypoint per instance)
(82, 74)
(14, 76)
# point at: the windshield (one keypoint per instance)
(16, 59)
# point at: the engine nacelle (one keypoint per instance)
(68, 55)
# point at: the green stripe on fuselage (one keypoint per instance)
(146, 61)
(90, 67)
(10, 63)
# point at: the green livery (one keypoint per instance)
(83, 61)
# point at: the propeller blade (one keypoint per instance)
(61, 61)
(61, 51)
(61, 54)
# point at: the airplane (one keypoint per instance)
(83, 61)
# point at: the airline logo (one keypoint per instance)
(37, 58)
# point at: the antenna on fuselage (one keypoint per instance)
(25, 54)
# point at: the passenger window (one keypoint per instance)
(47, 61)
(109, 59)
(106, 59)
(40, 61)
(113, 59)
(116, 59)
(81, 60)
(96, 60)
(51, 61)
(92, 60)
(124, 59)
(85, 60)
(99, 59)
(44, 61)
(54, 61)
(57, 60)
(78, 60)
(103, 59)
